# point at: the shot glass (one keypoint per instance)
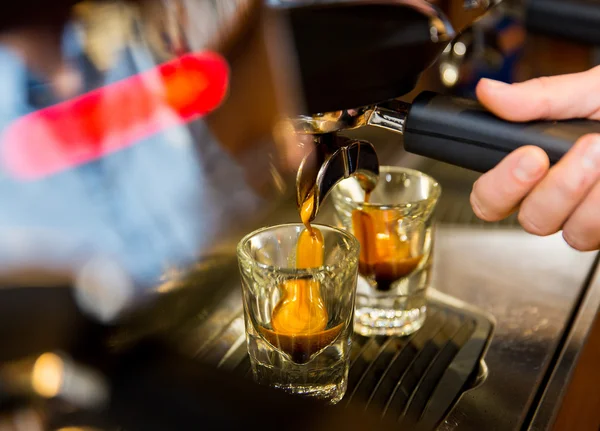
(395, 231)
(310, 356)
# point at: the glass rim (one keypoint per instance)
(243, 251)
(435, 195)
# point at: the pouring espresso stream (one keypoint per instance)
(301, 310)
(299, 320)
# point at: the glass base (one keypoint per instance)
(375, 321)
(331, 392)
(400, 311)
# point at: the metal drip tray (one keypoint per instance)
(415, 380)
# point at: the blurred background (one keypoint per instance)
(153, 203)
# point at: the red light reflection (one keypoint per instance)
(113, 117)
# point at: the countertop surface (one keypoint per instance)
(530, 285)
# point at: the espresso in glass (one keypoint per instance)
(394, 226)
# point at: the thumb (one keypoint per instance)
(548, 98)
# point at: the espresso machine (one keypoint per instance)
(140, 139)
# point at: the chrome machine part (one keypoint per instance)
(333, 159)
(390, 116)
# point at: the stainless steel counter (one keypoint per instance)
(530, 285)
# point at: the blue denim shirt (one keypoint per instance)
(158, 203)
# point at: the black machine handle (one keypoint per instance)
(461, 132)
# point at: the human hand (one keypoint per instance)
(566, 196)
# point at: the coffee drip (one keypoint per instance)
(299, 320)
(384, 255)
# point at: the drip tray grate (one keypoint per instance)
(415, 380)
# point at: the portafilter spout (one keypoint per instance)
(333, 159)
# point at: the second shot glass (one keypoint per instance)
(395, 229)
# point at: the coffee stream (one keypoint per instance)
(299, 320)
(301, 309)
(384, 255)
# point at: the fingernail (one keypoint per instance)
(494, 84)
(529, 168)
(591, 157)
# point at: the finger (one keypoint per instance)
(582, 230)
(554, 98)
(548, 206)
(497, 193)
